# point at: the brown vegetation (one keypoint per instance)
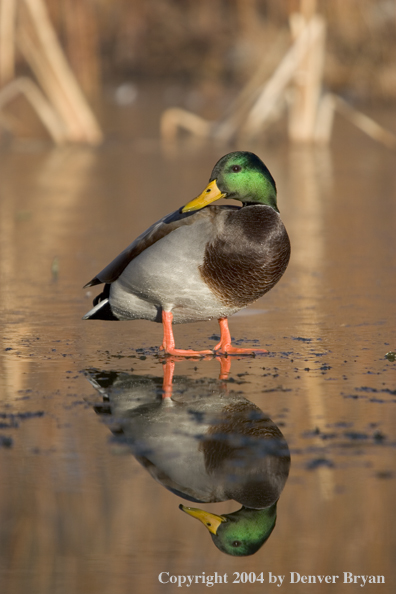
(223, 40)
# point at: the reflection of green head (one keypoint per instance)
(240, 533)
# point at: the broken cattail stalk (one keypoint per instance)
(39, 65)
(40, 104)
(364, 123)
(7, 40)
(175, 118)
(273, 91)
(50, 65)
(308, 79)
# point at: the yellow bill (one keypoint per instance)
(210, 194)
(211, 521)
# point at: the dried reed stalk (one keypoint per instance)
(324, 119)
(40, 104)
(239, 110)
(82, 42)
(51, 68)
(7, 41)
(274, 90)
(364, 123)
(175, 118)
(228, 127)
(266, 106)
(331, 103)
(38, 62)
(307, 82)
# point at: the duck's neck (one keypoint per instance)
(274, 206)
(256, 521)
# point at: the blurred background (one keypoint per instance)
(212, 44)
(220, 42)
(190, 54)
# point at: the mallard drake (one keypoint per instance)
(202, 262)
(206, 444)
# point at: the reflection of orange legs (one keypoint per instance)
(168, 344)
(225, 367)
(169, 369)
(225, 347)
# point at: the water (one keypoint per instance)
(78, 513)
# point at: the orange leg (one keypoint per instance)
(225, 347)
(168, 344)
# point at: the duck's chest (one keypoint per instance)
(248, 257)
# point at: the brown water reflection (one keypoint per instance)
(78, 516)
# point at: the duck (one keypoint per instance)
(206, 444)
(203, 261)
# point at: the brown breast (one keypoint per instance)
(248, 256)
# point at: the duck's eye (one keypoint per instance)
(236, 168)
(236, 543)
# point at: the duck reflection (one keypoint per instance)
(204, 443)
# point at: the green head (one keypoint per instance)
(242, 176)
(240, 533)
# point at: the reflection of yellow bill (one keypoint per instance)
(210, 194)
(211, 521)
